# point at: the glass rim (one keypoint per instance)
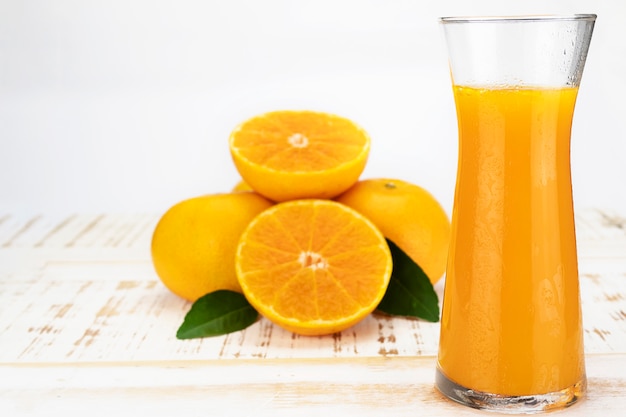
(517, 19)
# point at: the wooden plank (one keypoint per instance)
(127, 230)
(123, 318)
(87, 327)
(76, 230)
(399, 386)
(118, 311)
(597, 224)
(13, 228)
(84, 290)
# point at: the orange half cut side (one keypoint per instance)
(313, 267)
(288, 155)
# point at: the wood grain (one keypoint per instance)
(82, 288)
(399, 386)
(85, 323)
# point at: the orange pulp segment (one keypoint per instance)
(288, 155)
(313, 267)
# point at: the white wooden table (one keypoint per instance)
(87, 328)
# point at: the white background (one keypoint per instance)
(126, 106)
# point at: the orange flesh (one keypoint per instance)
(313, 263)
(299, 141)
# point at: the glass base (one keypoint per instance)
(516, 404)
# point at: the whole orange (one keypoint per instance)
(241, 186)
(194, 243)
(409, 216)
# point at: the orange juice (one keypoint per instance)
(513, 252)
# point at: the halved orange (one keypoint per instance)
(288, 155)
(313, 267)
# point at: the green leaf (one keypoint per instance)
(217, 313)
(410, 292)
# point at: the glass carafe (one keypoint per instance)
(511, 326)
